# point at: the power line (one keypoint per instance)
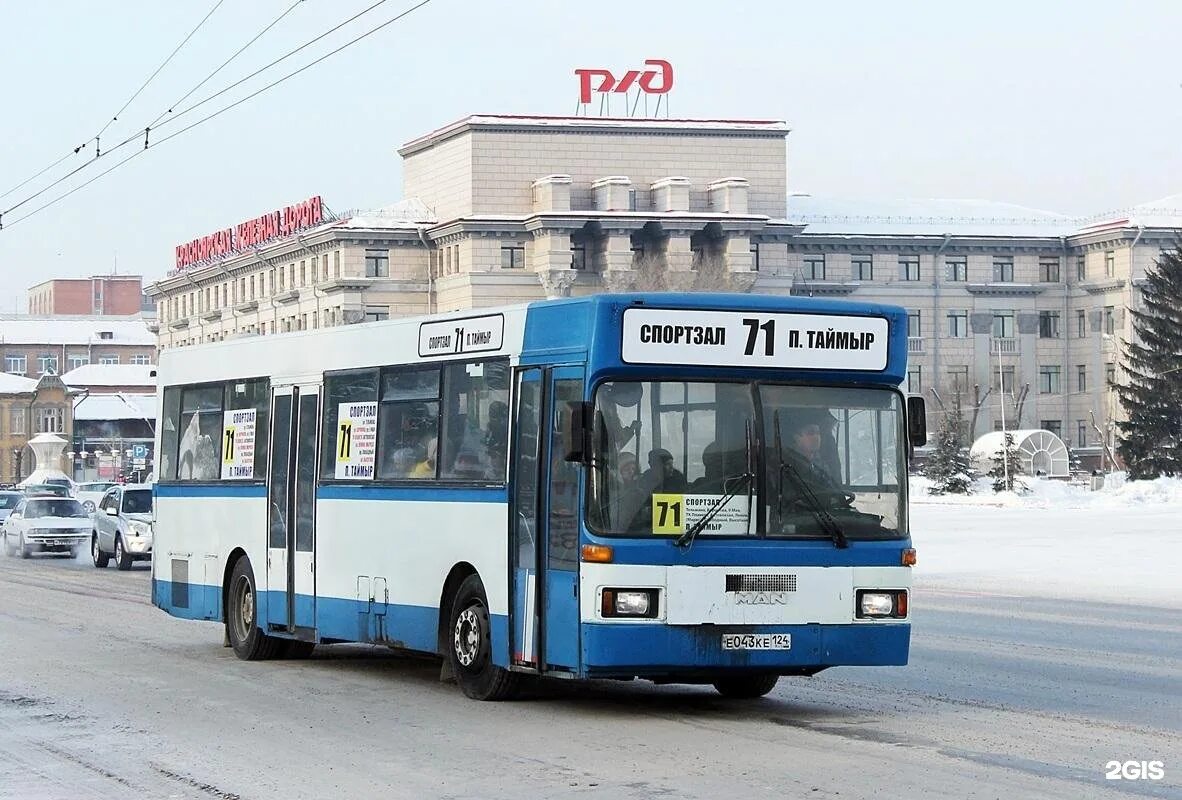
(135, 136)
(176, 50)
(208, 117)
(95, 138)
(206, 79)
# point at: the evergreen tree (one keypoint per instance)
(1151, 439)
(948, 467)
(1005, 468)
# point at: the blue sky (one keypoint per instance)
(1073, 107)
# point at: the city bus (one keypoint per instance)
(694, 488)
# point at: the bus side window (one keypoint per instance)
(349, 387)
(408, 422)
(168, 433)
(475, 440)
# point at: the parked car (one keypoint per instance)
(46, 524)
(46, 489)
(123, 526)
(89, 494)
(8, 501)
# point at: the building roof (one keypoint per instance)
(1165, 212)
(22, 329)
(930, 217)
(52, 281)
(110, 375)
(118, 406)
(758, 127)
(409, 213)
(16, 384)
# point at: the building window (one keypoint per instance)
(909, 268)
(1081, 268)
(456, 257)
(1081, 378)
(1081, 433)
(958, 378)
(141, 361)
(1081, 324)
(47, 365)
(1110, 320)
(956, 268)
(914, 324)
(1003, 269)
(863, 268)
(50, 420)
(16, 420)
(377, 264)
(755, 256)
(376, 313)
(1006, 374)
(512, 257)
(1109, 264)
(1048, 379)
(1003, 324)
(78, 361)
(15, 365)
(1055, 426)
(814, 268)
(304, 272)
(336, 263)
(915, 380)
(1048, 324)
(578, 257)
(1048, 269)
(958, 324)
(109, 359)
(1110, 373)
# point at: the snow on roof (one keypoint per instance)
(20, 329)
(932, 217)
(110, 407)
(16, 384)
(110, 375)
(1163, 213)
(525, 122)
(409, 213)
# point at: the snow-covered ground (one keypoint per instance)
(1120, 544)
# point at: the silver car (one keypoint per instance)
(123, 526)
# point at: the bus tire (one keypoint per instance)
(470, 646)
(101, 559)
(242, 623)
(746, 687)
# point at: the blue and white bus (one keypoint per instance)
(697, 488)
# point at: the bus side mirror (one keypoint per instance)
(917, 421)
(576, 431)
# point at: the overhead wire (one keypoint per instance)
(95, 138)
(217, 113)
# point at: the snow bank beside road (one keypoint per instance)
(1122, 544)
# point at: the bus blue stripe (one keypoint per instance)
(225, 489)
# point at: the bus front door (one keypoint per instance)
(544, 527)
(291, 512)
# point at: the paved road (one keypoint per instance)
(103, 696)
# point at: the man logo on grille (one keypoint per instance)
(761, 598)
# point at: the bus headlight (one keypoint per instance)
(634, 603)
(877, 604)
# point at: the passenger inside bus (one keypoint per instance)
(661, 476)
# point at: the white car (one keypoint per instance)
(46, 524)
(123, 526)
(89, 494)
(9, 500)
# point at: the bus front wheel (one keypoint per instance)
(242, 624)
(746, 687)
(470, 646)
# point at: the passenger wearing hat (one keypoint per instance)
(661, 476)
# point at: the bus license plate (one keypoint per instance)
(757, 641)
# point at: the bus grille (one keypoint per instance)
(761, 583)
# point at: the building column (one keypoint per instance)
(738, 262)
(550, 251)
(679, 261)
(613, 260)
(557, 282)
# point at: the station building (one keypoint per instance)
(1013, 310)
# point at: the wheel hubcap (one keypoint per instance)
(245, 609)
(469, 636)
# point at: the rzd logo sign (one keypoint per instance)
(606, 82)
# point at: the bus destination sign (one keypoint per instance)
(455, 336)
(754, 338)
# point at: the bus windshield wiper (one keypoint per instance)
(828, 524)
(744, 479)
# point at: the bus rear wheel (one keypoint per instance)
(470, 646)
(242, 624)
(746, 687)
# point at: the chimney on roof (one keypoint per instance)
(728, 195)
(613, 193)
(671, 194)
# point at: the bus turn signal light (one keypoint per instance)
(909, 557)
(598, 553)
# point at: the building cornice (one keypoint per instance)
(1099, 287)
(1005, 289)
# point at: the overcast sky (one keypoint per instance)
(1073, 107)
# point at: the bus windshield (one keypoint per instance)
(812, 459)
